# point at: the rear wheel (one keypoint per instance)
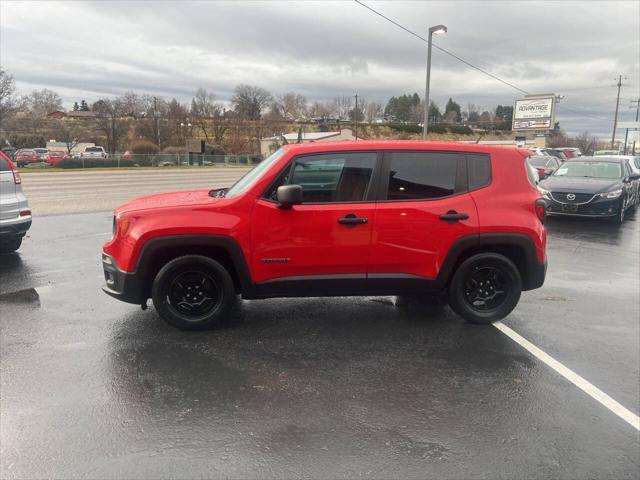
(193, 292)
(485, 288)
(10, 245)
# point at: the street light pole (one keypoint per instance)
(615, 118)
(437, 30)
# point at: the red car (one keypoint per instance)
(54, 157)
(26, 155)
(344, 218)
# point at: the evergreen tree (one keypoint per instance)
(83, 106)
(76, 107)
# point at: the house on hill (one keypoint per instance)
(269, 144)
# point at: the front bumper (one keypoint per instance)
(597, 207)
(125, 286)
(16, 227)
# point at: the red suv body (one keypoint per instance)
(345, 218)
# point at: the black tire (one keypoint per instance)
(193, 292)
(480, 302)
(10, 245)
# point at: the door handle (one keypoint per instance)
(453, 216)
(352, 220)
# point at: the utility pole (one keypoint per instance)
(615, 118)
(355, 118)
(635, 138)
(156, 120)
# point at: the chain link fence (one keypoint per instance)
(160, 160)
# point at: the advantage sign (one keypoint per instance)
(534, 112)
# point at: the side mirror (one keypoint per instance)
(289, 195)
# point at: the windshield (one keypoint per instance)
(538, 161)
(252, 176)
(93, 149)
(609, 170)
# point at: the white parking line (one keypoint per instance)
(593, 391)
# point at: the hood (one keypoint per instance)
(580, 184)
(164, 200)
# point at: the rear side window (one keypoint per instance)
(421, 175)
(478, 170)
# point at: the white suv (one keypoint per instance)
(15, 216)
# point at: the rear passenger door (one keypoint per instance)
(423, 208)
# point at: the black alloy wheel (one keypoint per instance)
(193, 292)
(486, 287)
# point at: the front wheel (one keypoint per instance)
(485, 288)
(193, 292)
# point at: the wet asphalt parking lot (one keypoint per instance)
(323, 388)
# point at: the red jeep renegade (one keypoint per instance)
(330, 219)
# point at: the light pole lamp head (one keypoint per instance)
(437, 29)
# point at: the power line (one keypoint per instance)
(469, 64)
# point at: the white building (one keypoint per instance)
(270, 144)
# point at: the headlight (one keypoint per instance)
(543, 192)
(614, 194)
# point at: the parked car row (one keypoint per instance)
(27, 156)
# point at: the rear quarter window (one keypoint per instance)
(478, 171)
(4, 166)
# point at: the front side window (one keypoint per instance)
(421, 175)
(334, 177)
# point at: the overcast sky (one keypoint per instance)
(88, 50)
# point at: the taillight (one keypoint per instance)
(541, 171)
(541, 209)
(17, 179)
(25, 213)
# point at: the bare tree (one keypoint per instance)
(586, 142)
(134, 105)
(204, 108)
(372, 111)
(160, 121)
(343, 105)
(291, 106)
(110, 113)
(9, 102)
(67, 132)
(42, 102)
(249, 101)
(323, 109)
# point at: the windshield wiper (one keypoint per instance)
(218, 192)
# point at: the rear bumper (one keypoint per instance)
(124, 286)
(536, 273)
(16, 227)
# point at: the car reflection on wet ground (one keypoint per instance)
(337, 387)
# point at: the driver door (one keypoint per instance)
(326, 237)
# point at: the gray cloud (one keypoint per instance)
(324, 49)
